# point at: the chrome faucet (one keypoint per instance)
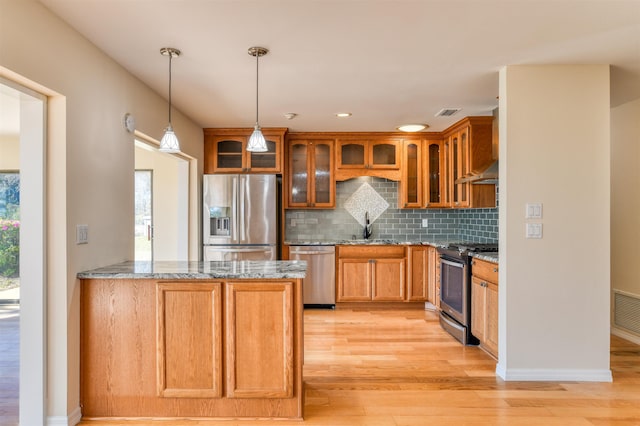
(367, 227)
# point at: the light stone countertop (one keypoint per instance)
(489, 257)
(183, 270)
(370, 242)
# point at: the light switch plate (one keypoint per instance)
(82, 234)
(534, 230)
(534, 211)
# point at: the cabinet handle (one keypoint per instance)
(483, 284)
(495, 269)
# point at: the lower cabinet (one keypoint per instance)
(371, 273)
(418, 272)
(484, 304)
(221, 348)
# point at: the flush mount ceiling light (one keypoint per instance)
(343, 114)
(256, 141)
(412, 127)
(169, 142)
(290, 115)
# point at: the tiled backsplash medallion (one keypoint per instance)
(476, 225)
(365, 200)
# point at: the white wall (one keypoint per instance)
(625, 197)
(554, 291)
(90, 164)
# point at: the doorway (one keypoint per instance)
(22, 211)
(143, 215)
(163, 204)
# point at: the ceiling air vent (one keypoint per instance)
(447, 112)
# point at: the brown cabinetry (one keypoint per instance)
(224, 348)
(484, 304)
(418, 273)
(411, 185)
(436, 180)
(225, 151)
(370, 273)
(468, 150)
(364, 156)
(311, 181)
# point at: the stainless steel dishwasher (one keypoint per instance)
(319, 285)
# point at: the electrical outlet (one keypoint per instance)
(534, 230)
(82, 234)
(425, 223)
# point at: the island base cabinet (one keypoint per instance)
(207, 349)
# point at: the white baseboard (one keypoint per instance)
(71, 420)
(553, 375)
(625, 335)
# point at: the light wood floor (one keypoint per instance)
(399, 368)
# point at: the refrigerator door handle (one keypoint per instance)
(234, 208)
(243, 219)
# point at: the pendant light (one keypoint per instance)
(169, 142)
(256, 141)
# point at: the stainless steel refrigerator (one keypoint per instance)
(239, 217)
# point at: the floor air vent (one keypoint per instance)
(446, 112)
(626, 308)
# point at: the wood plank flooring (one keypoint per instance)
(9, 363)
(399, 368)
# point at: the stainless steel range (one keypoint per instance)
(455, 288)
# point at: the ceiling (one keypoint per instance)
(386, 62)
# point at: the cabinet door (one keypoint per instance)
(352, 154)
(435, 174)
(388, 279)
(299, 179)
(478, 304)
(384, 154)
(229, 154)
(460, 168)
(491, 324)
(418, 275)
(259, 339)
(266, 162)
(432, 274)
(354, 280)
(411, 182)
(446, 174)
(323, 184)
(189, 340)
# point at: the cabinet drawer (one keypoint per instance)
(485, 270)
(370, 251)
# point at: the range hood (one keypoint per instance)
(487, 176)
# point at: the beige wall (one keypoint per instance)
(625, 196)
(90, 164)
(554, 291)
(9, 152)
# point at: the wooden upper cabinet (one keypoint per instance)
(435, 169)
(364, 156)
(411, 186)
(311, 182)
(468, 150)
(225, 151)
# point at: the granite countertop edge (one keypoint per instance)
(372, 242)
(489, 257)
(176, 270)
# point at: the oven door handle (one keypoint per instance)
(452, 263)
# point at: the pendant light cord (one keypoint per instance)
(170, 59)
(257, 87)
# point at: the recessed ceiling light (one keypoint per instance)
(412, 127)
(343, 114)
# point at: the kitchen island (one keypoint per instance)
(192, 340)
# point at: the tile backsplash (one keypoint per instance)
(477, 225)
